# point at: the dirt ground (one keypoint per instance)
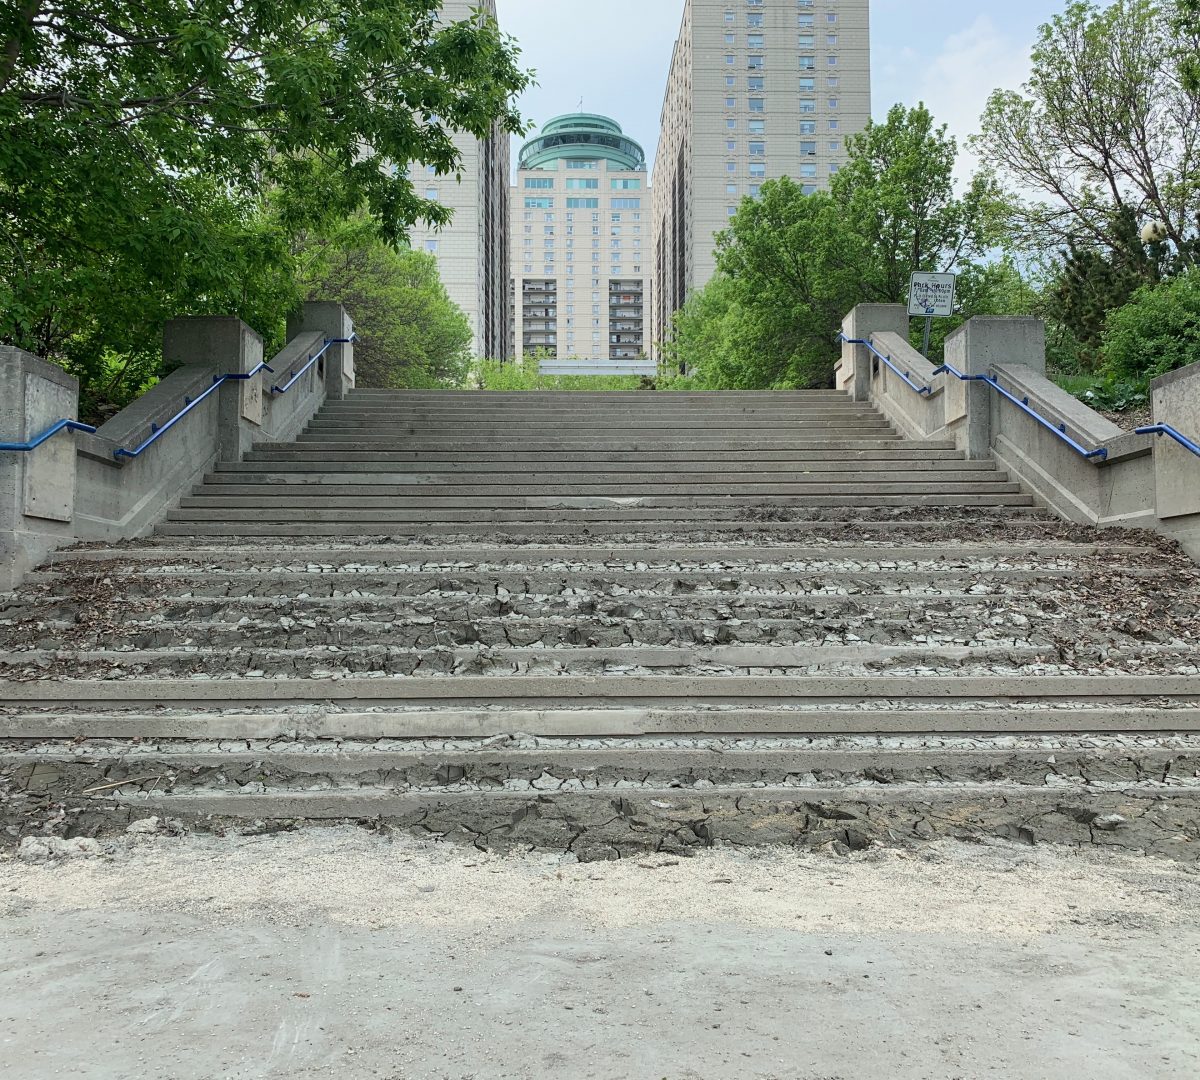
(338, 953)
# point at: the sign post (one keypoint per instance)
(931, 295)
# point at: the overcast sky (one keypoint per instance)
(614, 55)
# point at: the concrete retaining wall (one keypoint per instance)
(1141, 483)
(74, 487)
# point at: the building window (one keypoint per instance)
(730, 144)
(808, 105)
(731, 189)
(758, 104)
(754, 63)
(582, 204)
(833, 103)
(758, 170)
(808, 85)
(808, 63)
(431, 246)
(542, 203)
(730, 103)
(808, 148)
(539, 181)
(731, 124)
(808, 189)
(835, 145)
(808, 127)
(754, 18)
(808, 170)
(758, 149)
(582, 183)
(626, 204)
(431, 193)
(729, 59)
(754, 41)
(626, 185)
(755, 82)
(757, 127)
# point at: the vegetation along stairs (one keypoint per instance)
(607, 623)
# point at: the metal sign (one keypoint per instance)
(932, 295)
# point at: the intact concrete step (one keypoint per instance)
(626, 458)
(574, 496)
(633, 473)
(1002, 721)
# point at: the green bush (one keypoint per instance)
(1156, 332)
(524, 374)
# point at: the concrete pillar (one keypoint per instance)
(331, 319)
(974, 349)
(37, 488)
(227, 346)
(1176, 398)
(859, 325)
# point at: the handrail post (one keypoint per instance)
(37, 487)
(229, 347)
(330, 319)
(975, 348)
(863, 321)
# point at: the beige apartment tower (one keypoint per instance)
(581, 249)
(472, 251)
(757, 89)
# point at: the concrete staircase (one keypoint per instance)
(610, 623)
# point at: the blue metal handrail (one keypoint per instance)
(924, 391)
(1058, 430)
(311, 360)
(1171, 433)
(156, 431)
(54, 429)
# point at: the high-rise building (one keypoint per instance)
(581, 247)
(757, 89)
(472, 251)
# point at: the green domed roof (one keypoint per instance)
(582, 136)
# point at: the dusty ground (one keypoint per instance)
(342, 954)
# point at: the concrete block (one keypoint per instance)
(1176, 399)
(227, 346)
(36, 488)
(859, 325)
(50, 469)
(332, 320)
(977, 348)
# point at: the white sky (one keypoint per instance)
(614, 55)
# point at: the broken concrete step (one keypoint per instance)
(1149, 817)
(65, 770)
(154, 556)
(425, 664)
(1019, 522)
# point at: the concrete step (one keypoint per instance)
(902, 453)
(592, 825)
(1117, 690)
(314, 472)
(425, 663)
(714, 559)
(1019, 522)
(1000, 721)
(708, 427)
(563, 511)
(574, 496)
(196, 766)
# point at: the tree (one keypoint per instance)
(1156, 332)
(897, 193)
(411, 334)
(159, 158)
(791, 265)
(1107, 128)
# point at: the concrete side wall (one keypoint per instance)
(77, 488)
(1140, 483)
(36, 488)
(1176, 398)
